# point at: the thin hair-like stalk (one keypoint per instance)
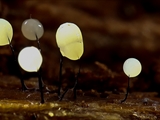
(60, 75)
(40, 86)
(39, 47)
(17, 67)
(126, 95)
(74, 87)
(38, 43)
(76, 82)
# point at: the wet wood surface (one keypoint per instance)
(25, 105)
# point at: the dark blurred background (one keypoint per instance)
(113, 30)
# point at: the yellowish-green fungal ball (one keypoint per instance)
(30, 59)
(132, 67)
(69, 40)
(32, 28)
(6, 32)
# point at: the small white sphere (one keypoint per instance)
(30, 59)
(6, 32)
(69, 40)
(32, 27)
(132, 67)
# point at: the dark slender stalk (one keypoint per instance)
(62, 96)
(126, 92)
(75, 85)
(30, 16)
(39, 47)
(40, 86)
(18, 68)
(43, 85)
(60, 75)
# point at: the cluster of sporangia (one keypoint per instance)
(70, 42)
